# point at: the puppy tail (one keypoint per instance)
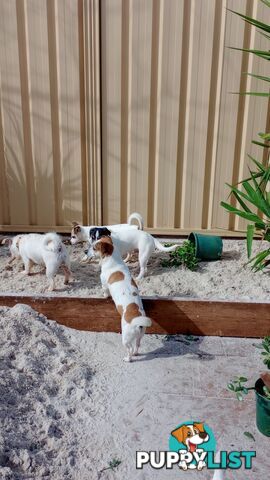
(136, 216)
(161, 247)
(141, 322)
(52, 242)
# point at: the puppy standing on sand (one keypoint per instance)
(45, 250)
(80, 233)
(127, 241)
(118, 283)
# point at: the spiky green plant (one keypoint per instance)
(252, 193)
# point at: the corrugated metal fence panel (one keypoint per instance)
(50, 133)
(172, 131)
(111, 106)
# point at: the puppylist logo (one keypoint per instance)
(192, 446)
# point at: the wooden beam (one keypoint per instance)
(161, 232)
(169, 315)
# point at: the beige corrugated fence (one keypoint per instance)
(114, 106)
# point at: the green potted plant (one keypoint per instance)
(207, 247)
(252, 195)
(262, 390)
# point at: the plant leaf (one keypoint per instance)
(238, 193)
(264, 34)
(266, 2)
(252, 217)
(259, 77)
(264, 145)
(257, 198)
(260, 53)
(258, 164)
(259, 259)
(264, 136)
(256, 94)
(249, 435)
(252, 21)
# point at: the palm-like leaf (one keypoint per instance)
(252, 192)
(252, 21)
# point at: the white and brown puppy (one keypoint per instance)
(118, 283)
(47, 250)
(80, 233)
(129, 240)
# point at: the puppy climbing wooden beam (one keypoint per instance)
(169, 315)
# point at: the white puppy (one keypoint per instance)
(80, 233)
(118, 283)
(45, 250)
(128, 240)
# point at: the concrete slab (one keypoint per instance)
(135, 406)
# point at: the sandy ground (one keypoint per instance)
(69, 404)
(228, 278)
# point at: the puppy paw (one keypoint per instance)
(106, 292)
(127, 359)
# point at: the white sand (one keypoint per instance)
(224, 279)
(69, 404)
(44, 391)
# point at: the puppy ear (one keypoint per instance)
(199, 426)
(107, 232)
(92, 233)
(6, 241)
(180, 434)
(105, 248)
(74, 224)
